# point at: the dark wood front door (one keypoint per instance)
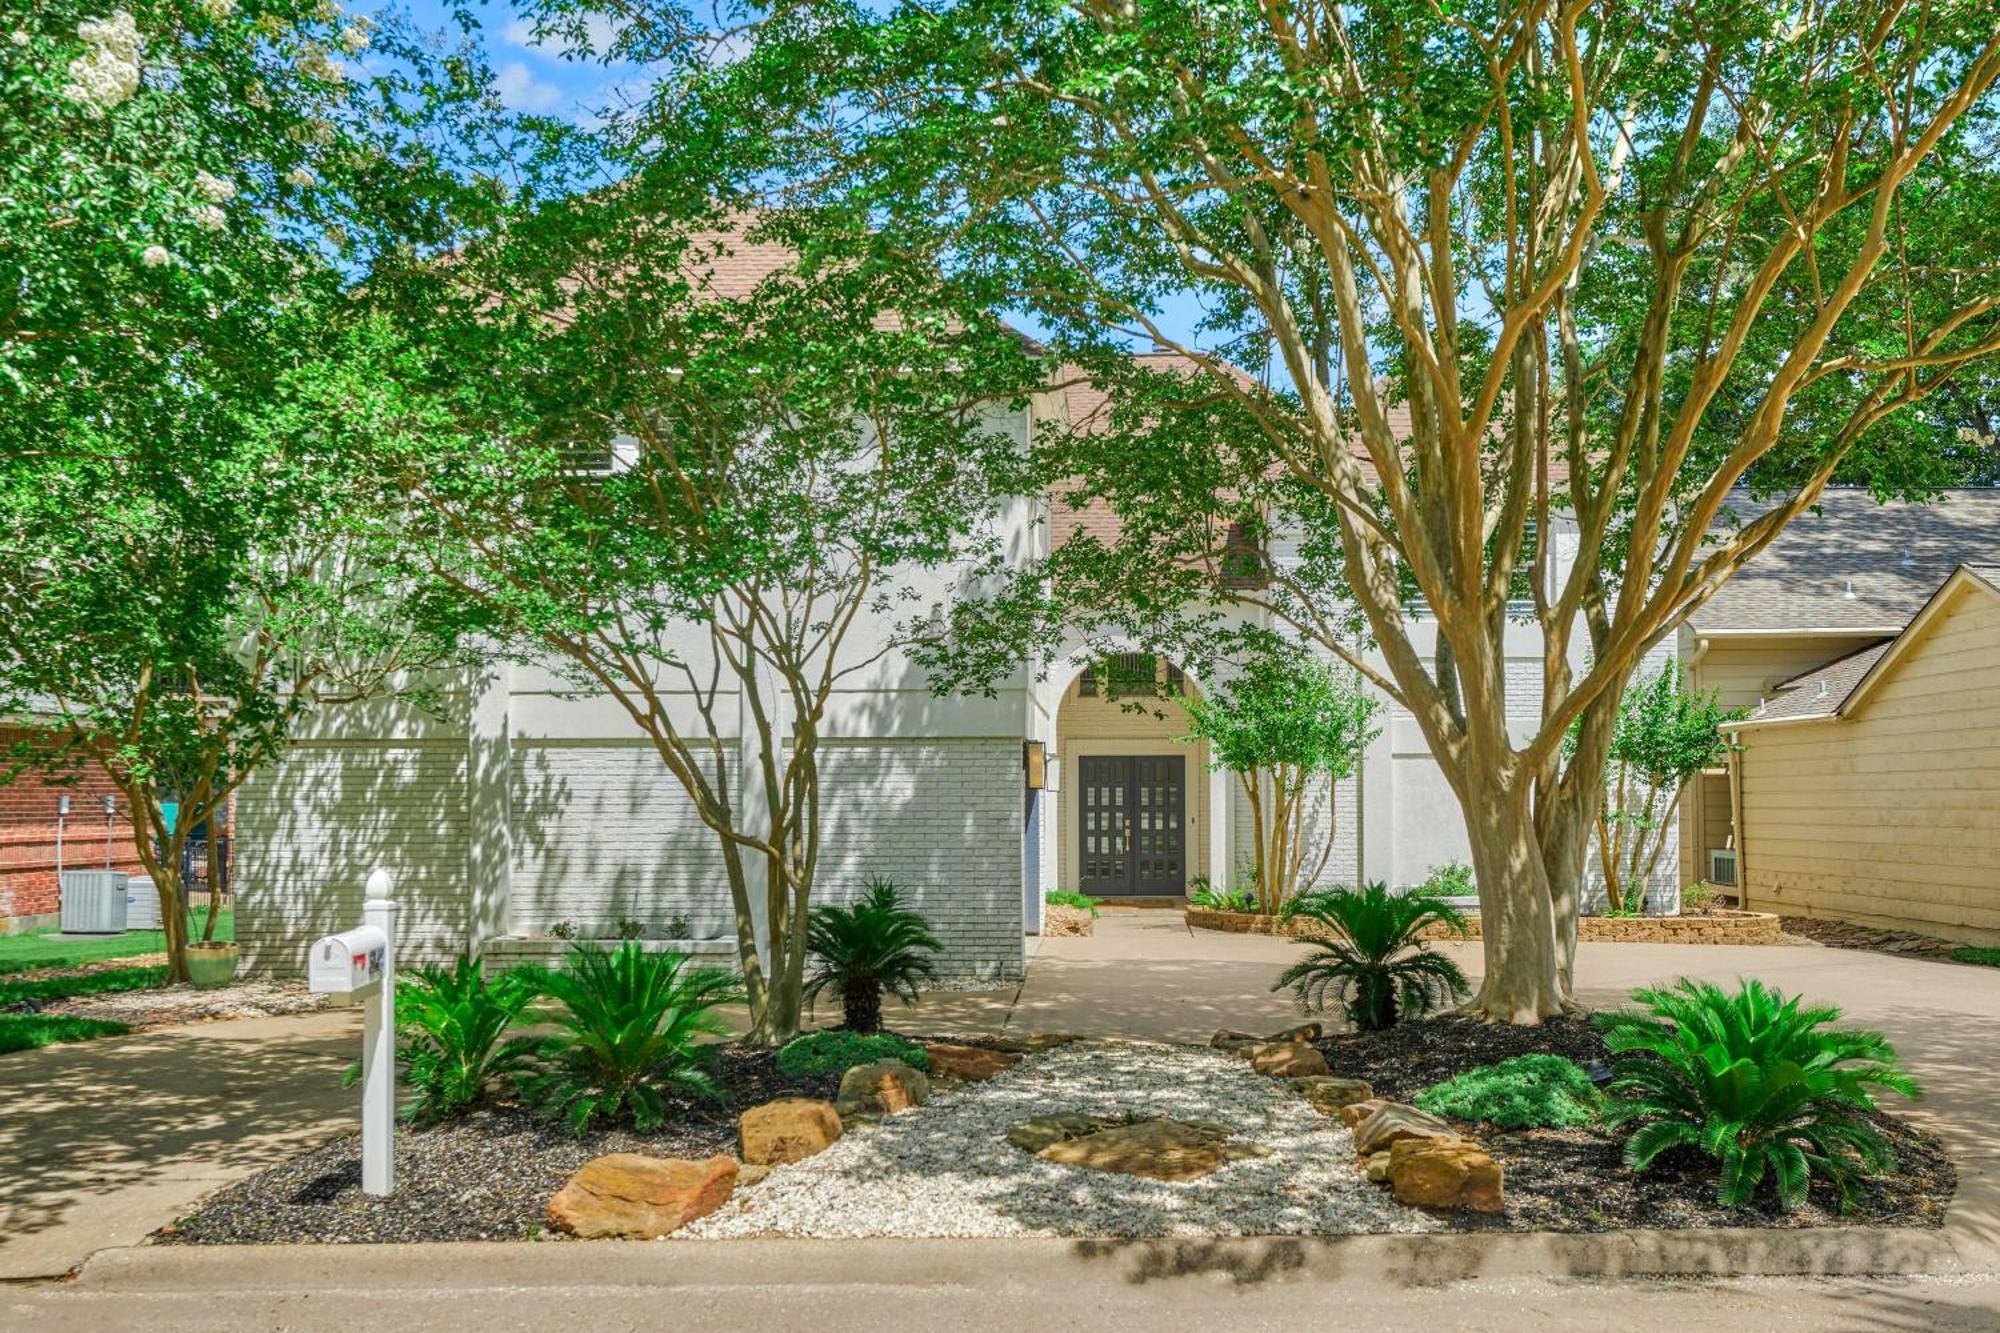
(1133, 815)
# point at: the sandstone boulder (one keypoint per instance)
(1445, 1173)
(1228, 1039)
(789, 1130)
(1303, 1032)
(971, 1064)
(1329, 1094)
(1155, 1149)
(1378, 1167)
(887, 1087)
(1354, 1113)
(1394, 1122)
(1046, 1130)
(640, 1198)
(1287, 1059)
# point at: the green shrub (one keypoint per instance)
(875, 945)
(1754, 1080)
(452, 1043)
(837, 1051)
(1374, 966)
(1982, 957)
(1453, 879)
(628, 1023)
(1082, 902)
(1524, 1092)
(1218, 900)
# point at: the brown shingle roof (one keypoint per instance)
(1891, 556)
(1818, 693)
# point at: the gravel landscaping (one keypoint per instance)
(171, 1005)
(947, 1169)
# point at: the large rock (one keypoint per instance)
(887, 1087)
(1328, 1094)
(1377, 1167)
(971, 1064)
(1155, 1149)
(1287, 1059)
(1354, 1113)
(1228, 1039)
(1394, 1122)
(1046, 1130)
(790, 1130)
(638, 1198)
(1303, 1032)
(1445, 1173)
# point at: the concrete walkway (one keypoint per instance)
(103, 1142)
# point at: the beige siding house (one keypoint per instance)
(1869, 790)
(1846, 578)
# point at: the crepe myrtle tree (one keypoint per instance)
(715, 468)
(1288, 724)
(1665, 736)
(190, 191)
(1523, 291)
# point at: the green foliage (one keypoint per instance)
(1453, 879)
(1288, 720)
(25, 1032)
(34, 950)
(834, 1051)
(1978, 956)
(453, 1025)
(1757, 1081)
(860, 951)
(1082, 902)
(1373, 964)
(1211, 899)
(629, 1027)
(108, 982)
(628, 928)
(1522, 1092)
(562, 930)
(1664, 736)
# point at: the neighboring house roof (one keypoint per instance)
(1891, 557)
(1837, 688)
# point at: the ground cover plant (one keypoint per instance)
(23, 1032)
(1521, 1092)
(35, 950)
(105, 982)
(861, 950)
(1371, 962)
(835, 1051)
(1756, 1080)
(1082, 902)
(1979, 957)
(628, 1029)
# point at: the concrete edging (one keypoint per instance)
(1420, 1259)
(1721, 928)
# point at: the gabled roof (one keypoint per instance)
(1855, 565)
(1839, 687)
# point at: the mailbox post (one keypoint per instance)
(362, 963)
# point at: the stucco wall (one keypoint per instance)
(1891, 816)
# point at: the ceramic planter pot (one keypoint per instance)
(211, 965)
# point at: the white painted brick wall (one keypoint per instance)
(942, 818)
(310, 828)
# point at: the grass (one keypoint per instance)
(1981, 957)
(24, 1032)
(1082, 902)
(36, 949)
(107, 982)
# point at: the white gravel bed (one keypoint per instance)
(185, 1004)
(946, 1169)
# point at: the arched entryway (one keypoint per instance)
(1134, 817)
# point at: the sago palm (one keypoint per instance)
(628, 1028)
(1754, 1079)
(858, 952)
(1373, 963)
(452, 1027)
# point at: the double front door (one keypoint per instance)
(1133, 815)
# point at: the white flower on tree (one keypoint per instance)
(107, 73)
(19, 37)
(316, 62)
(156, 256)
(302, 177)
(213, 188)
(354, 38)
(210, 217)
(219, 9)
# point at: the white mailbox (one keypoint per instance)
(350, 963)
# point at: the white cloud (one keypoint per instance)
(521, 90)
(600, 30)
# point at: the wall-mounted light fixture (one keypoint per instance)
(1035, 763)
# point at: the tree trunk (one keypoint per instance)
(861, 1007)
(173, 920)
(1523, 980)
(214, 884)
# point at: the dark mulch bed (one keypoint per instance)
(1845, 935)
(1577, 1180)
(487, 1176)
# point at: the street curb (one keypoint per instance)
(985, 1263)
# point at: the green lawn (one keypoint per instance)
(87, 983)
(39, 948)
(1983, 957)
(24, 1032)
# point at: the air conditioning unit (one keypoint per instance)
(1722, 866)
(93, 902)
(142, 903)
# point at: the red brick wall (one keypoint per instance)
(28, 834)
